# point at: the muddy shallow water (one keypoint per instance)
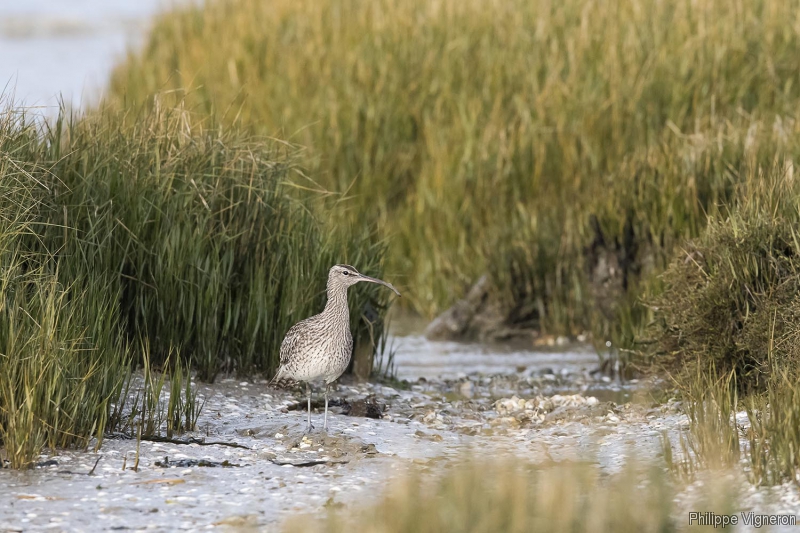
(536, 405)
(416, 357)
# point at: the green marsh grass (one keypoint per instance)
(214, 258)
(501, 136)
(184, 407)
(62, 361)
(157, 402)
(210, 254)
(145, 237)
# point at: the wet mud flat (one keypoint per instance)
(264, 466)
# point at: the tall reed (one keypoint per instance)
(539, 141)
(62, 358)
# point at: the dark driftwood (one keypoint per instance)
(70, 472)
(201, 442)
(190, 463)
(308, 463)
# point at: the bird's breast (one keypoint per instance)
(324, 354)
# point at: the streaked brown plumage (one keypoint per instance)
(319, 348)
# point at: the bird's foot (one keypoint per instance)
(309, 429)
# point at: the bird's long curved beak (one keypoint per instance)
(362, 277)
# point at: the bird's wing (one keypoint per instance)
(293, 338)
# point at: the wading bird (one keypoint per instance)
(319, 348)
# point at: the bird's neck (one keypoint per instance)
(337, 303)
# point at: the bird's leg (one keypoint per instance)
(308, 390)
(325, 425)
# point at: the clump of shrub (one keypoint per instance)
(727, 330)
(731, 298)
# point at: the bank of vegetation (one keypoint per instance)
(624, 168)
(567, 148)
(133, 237)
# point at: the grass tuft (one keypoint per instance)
(148, 238)
(774, 433)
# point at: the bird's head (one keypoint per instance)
(346, 275)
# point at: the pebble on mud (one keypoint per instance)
(535, 409)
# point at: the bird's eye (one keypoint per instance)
(345, 272)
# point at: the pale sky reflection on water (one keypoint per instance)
(52, 48)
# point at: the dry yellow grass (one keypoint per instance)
(485, 135)
(501, 496)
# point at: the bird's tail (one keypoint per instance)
(280, 381)
(277, 377)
